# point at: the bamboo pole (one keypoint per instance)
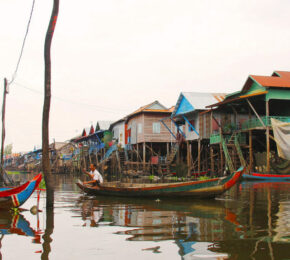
(254, 110)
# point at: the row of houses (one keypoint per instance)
(203, 133)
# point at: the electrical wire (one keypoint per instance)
(95, 107)
(23, 44)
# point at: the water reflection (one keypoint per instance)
(183, 222)
(249, 222)
(258, 220)
(15, 223)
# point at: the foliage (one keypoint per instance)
(12, 172)
(8, 149)
(181, 169)
(42, 185)
(203, 178)
(151, 177)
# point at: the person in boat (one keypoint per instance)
(96, 177)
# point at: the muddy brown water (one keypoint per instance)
(251, 221)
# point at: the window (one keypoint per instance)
(189, 127)
(156, 128)
(139, 128)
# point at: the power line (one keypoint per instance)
(98, 108)
(23, 43)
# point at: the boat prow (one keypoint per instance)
(17, 196)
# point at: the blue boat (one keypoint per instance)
(268, 177)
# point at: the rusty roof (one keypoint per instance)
(150, 108)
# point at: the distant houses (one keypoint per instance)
(203, 133)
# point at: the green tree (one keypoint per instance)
(8, 149)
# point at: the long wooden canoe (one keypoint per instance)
(192, 189)
(267, 177)
(15, 197)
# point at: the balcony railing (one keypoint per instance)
(255, 122)
(216, 138)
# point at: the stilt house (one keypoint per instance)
(251, 140)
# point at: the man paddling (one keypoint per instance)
(96, 177)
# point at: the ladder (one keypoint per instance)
(172, 154)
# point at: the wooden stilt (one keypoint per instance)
(137, 156)
(251, 151)
(198, 156)
(221, 159)
(144, 155)
(188, 158)
(267, 136)
(211, 160)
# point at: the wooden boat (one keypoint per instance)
(15, 197)
(192, 189)
(266, 177)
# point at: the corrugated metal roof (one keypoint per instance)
(199, 100)
(229, 100)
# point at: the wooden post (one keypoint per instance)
(46, 107)
(222, 158)
(3, 131)
(251, 151)
(198, 156)
(97, 159)
(144, 155)
(188, 158)
(167, 149)
(137, 156)
(267, 136)
(3, 126)
(211, 160)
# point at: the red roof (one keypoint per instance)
(282, 81)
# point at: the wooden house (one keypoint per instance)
(261, 99)
(195, 122)
(146, 135)
(118, 130)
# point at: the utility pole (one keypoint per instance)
(3, 127)
(46, 108)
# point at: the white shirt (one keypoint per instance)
(97, 176)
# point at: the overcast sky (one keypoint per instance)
(111, 57)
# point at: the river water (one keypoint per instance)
(251, 221)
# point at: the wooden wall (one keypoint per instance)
(144, 122)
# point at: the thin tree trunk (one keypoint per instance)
(46, 107)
